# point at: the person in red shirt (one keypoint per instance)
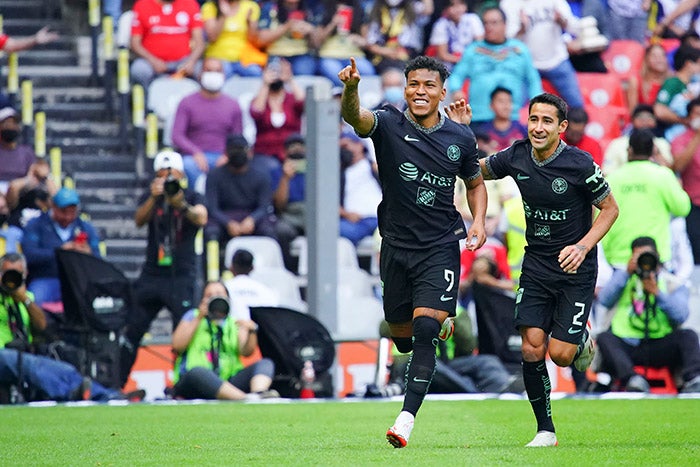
(575, 135)
(167, 37)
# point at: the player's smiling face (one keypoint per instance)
(544, 128)
(424, 91)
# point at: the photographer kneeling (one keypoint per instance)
(645, 329)
(209, 344)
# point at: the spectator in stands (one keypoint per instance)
(540, 25)
(10, 235)
(575, 135)
(15, 158)
(290, 183)
(202, 122)
(112, 8)
(239, 197)
(395, 33)
(360, 193)
(628, 19)
(60, 227)
(245, 291)
(650, 307)
(686, 155)
(173, 215)
(285, 29)
(454, 31)
(36, 377)
(231, 28)
(503, 130)
(683, 7)
(166, 37)
(513, 227)
(341, 33)
(649, 195)
(277, 110)
(392, 82)
(674, 95)
(30, 195)
(494, 62)
(209, 344)
(616, 153)
(643, 88)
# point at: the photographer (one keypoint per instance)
(209, 343)
(650, 306)
(173, 214)
(35, 376)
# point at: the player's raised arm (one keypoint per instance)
(459, 111)
(361, 119)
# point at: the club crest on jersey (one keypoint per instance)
(425, 197)
(453, 152)
(559, 185)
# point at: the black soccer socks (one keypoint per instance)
(539, 391)
(421, 365)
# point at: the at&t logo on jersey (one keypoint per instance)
(408, 171)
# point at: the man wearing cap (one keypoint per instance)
(60, 227)
(174, 214)
(15, 158)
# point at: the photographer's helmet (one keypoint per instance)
(168, 160)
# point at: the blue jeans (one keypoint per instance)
(45, 289)
(143, 73)
(356, 231)
(192, 169)
(237, 68)
(330, 67)
(563, 78)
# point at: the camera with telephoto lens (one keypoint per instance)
(11, 280)
(171, 186)
(217, 307)
(647, 263)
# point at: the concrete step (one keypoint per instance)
(73, 163)
(82, 128)
(24, 26)
(48, 76)
(109, 211)
(72, 111)
(118, 228)
(106, 180)
(40, 9)
(48, 57)
(131, 246)
(44, 96)
(127, 196)
(129, 265)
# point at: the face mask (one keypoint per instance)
(393, 3)
(3, 219)
(695, 124)
(393, 94)
(296, 155)
(276, 85)
(212, 81)
(9, 135)
(237, 159)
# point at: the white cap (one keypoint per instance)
(7, 112)
(168, 160)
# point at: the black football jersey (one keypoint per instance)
(557, 196)
(417, 171)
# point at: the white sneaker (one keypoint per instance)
(447, 329)
(398, 434)
(586, 356)
(543, 439)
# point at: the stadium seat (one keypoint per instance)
(123, 38)
(624, 58)
(604, 126)
(660, 379)
(321, 85)
(244, 89)
(284, 283)
(347, 254)
(267, 253)
(370, 89)
(601, 90)
(165, 94)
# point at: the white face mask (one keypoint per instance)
(393, 3)
(695, 124)
(212, 81)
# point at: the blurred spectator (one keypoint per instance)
(60, 227)
(454, 31)
(643, 89)
(674, 95)
(540, 24)
(648, 195)
(290, 183)
(209, 344)
(686, 155)
(395, 32)
(37, 377)
(575, 134)
(285, 31)
(231, 28)
(202, 122)
(628, 19)
(15, 158)
(513, 226)
(10, 235)
(167, 37)
(503, 130)
(173, 215)
(246, 292)
(667, 25)
(393, 83)
(360, 192)
(277, 109)
(112, 8)
(494, 62)
(650, 307)
(30, 195)
(340, 34)
(615, 155)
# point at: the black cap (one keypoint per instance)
(237, 141)
(242, 258)
(294, 138)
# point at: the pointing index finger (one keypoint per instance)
(353, 65)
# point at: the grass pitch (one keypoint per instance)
(455, 432)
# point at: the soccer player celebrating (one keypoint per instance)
(558, 183)
(419, 152)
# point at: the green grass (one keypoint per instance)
(488, 432)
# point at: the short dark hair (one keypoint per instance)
(488, 6)
(643, 108)
(498, 89)
(551, 99)
(577, 115)
(242, 262)
(642, 142)
(422, 62)
(684, 54)
(692, 104)
(644, 241)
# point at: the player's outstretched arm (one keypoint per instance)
(361, 119)
(459, 111)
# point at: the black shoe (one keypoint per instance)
(83, 392)
(692, 386)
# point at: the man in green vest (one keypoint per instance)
(650, 306)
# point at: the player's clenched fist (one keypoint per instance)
(349, 75)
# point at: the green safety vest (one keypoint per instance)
(6, 303)
(515, 235)
(630, 316)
